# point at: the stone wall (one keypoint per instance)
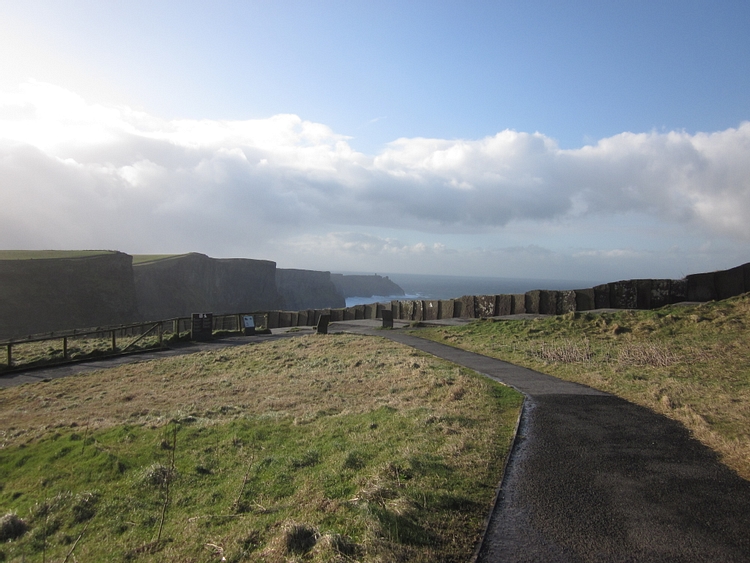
(625, 294)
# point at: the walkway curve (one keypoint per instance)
(594, 478)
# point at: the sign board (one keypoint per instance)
(201, 327)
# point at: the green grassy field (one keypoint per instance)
(47, 254)
(690, 363)
(319, 448)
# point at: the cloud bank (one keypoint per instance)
(80, 175)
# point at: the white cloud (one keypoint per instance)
(76, 174)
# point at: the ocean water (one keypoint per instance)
(417, 286)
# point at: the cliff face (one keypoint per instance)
(195, 283)
(51, 294)
(308, 289)
(365, 286)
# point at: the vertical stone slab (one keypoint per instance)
(623, 295)
(504, 305)
(359, 312)
(585, 299)
(301, 318)
(337, 315)
(321, 326)
(485, 306)
(566, 302)
(350, 314)
(519, 304)
(601, 296)
(730, 282)
(468, 307)
(446, 310)
(387, 316)
(294, 318)
(371, 311)
(457, 308)
(285, 319)
(431, 310)
(407, 310)
(318, 313)
(643, 293)
(396, 309)
(419, 310)
(273, 319)
(548, 302)
(701, 287)
(677, 291)
(383, 307)
(746, 270)
(532, 301)
(659, 293)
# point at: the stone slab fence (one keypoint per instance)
(626, 294)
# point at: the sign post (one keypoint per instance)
(249, 325)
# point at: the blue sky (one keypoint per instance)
(586, 140)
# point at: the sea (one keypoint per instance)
(418, 286)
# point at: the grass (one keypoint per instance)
(690, 363)
(51, 351)
(146, 258)
(319, 448)
(47, 254)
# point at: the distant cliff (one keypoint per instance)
(195, 283)
(307, 289)
(365, 286)
(46, 293)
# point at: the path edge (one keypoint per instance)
(499, 489)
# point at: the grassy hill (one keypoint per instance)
(688, 362)
(50, 254)
(319, 448)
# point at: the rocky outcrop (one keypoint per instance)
(365, 285)
(307, 289)
(50, 294)
(195, 283)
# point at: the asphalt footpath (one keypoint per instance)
(591, 477)
(594, 478)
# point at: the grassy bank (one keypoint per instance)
(319, 448)
(49, 254)
(691, 363)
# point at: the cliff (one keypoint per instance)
(307, 289)
(195, 283)
(51, 291)
(365, 286)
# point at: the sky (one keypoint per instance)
(581, 140)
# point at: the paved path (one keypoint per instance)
(595, 478)
(591, 477)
